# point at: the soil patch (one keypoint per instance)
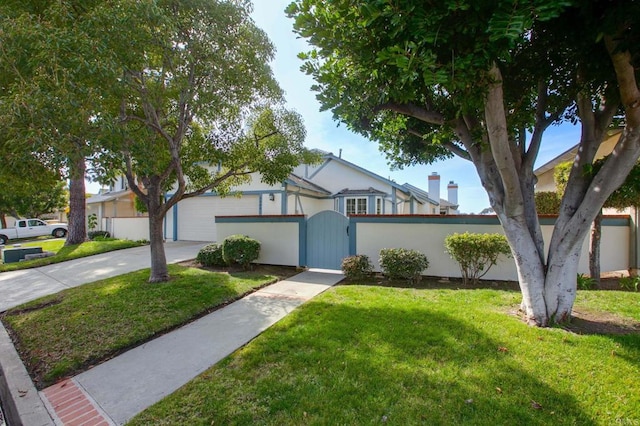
(588, 322)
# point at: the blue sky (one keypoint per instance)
(324, 133)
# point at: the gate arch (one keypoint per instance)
(327, 239)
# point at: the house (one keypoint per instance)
(116, 201)
(544, 173)
(546, 182)
(334, 184)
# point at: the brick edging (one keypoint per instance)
(20, 400)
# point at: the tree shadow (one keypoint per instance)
(339, 360)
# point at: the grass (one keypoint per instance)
(62, 334)
(372, 354)
(64, 253)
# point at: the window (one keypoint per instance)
(356, 206)
(378, 205)
(34, 222)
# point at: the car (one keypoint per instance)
(27, 228)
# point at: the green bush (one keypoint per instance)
(547, 202)
(93, 235)
(476, 253)
(211, 255)
(630, 283)
(356, 267)
(585, 282)
(404, 264)
(240, 249)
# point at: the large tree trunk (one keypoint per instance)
(159, 270)
(594, 249)
(77, 199)
(3, 220)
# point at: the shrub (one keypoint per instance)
(585, 282)
(476, 253)
(630, 283)
(240, 249)
(93, 235)
(211, 255)
(405, 264)
(356, 267)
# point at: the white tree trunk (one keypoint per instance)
(530, 270)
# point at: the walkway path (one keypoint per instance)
(115, 391)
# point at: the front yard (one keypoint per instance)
(368, 354)
(63, 334)
(64, 253)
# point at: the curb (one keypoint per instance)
(20, 400)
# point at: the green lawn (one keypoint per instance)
(62, 334)
(64, 253)
(374, 355)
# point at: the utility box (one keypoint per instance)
(18, 254)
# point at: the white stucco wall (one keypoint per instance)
(429, 239)
(130, 228)
(279, 240)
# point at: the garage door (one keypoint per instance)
(196, 215)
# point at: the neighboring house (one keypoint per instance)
(334, 184)
(116, 201)
(546, 182)
(544, 173)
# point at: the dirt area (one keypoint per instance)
(585, 322)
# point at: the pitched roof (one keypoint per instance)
(101, 198)
(330, 157)
(303, 183)
(369, 191)
(420, 194)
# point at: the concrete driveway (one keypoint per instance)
(17, 287)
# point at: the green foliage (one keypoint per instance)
(631, 283)
(356, 267)
(97, 235)
(627, 195)
(211, 255)
(398, 263)
(585, 282)
(139, 205)
(547, 202)
(240, 249)
(476, 253)
(92, 223)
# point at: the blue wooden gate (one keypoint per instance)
(327, 240)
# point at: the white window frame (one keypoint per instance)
(357, 205)
(379, 205)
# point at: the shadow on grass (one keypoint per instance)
(341, 360)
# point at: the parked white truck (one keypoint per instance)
(27, 228)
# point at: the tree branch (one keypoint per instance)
(414, 111)
(625, 73)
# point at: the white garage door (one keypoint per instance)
(196, 215)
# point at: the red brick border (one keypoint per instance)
(71, 405)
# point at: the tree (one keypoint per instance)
(29, 190)
(52, 80)
(195, 107)
(483, 80)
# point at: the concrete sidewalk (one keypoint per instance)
(115, 391)
(18, 287)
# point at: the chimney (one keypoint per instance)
(452, 188)
(434, 187)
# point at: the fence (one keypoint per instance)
(131, 228)
(284, 239)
